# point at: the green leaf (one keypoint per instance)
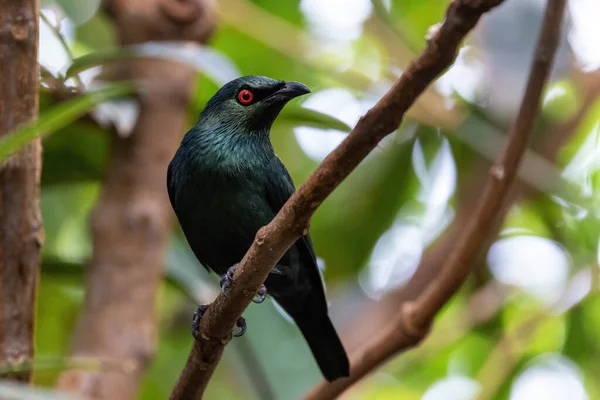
(60, 116)
(315, 119)
(211, 62)
(79, 12)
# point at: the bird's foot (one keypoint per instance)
(226, 279)
(196, 320)
(261, 294)
(241, 322)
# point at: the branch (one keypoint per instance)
(414, 319)
(372, 318)
(21, 233)
(273, 240)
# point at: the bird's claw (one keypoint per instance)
(199, 313)
(241, 323)
(227, 278)
(261, 294)
(196, 320)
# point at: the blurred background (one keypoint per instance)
(526, 324)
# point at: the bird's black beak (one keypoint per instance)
(290, 91)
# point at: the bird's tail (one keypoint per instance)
(323, 340)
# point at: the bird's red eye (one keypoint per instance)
(245, 96)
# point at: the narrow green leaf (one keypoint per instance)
(100, 57)
(59, 116)
(214, 64)
(315, 119)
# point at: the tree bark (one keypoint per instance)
(21, 233)
(131, 223)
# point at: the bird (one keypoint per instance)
(225, 182)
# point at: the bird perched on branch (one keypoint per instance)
(225, 183)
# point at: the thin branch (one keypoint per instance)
(273, 240)
(414, 318)
(375, 316)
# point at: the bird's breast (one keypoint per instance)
(220, 213)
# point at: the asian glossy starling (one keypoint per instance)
(225, 182)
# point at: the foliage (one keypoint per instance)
(374, 228)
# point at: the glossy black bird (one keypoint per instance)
(225, 182)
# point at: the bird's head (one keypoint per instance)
(250, 103)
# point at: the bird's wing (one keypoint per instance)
(170, 186)
(279, 188)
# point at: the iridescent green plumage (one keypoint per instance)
(225, 182)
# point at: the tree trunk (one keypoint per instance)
(21, 232)
(131, 223)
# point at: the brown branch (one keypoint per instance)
(292, 221)
(375, 315)
(132, 220)
(415, 317)
(21, 234)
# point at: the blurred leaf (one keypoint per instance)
(524, 219)
(59, 116)
(79, 11)
(549, 336)
(65, 209)
(58, 364)
(560, 101)
(78, 153)
(18, 391)
(288, 10)
(98, 33)
(387, 391)
(532, 330)
(415, 17)
(59, 302)
(299, 116)
(470, 353)
(367, 203)
(206, 59)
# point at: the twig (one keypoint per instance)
(273, 240)
(414, 319)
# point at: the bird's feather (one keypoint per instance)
(225, 183)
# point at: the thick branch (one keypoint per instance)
(292, 221)
(21, 232)
(413, 321)
(131, 223)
